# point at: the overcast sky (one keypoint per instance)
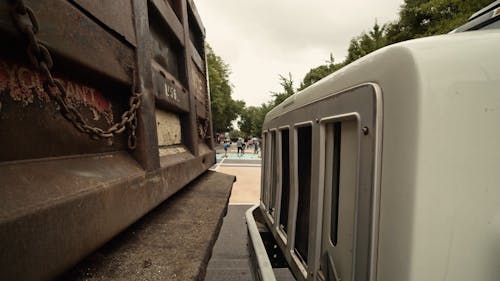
(261, 39)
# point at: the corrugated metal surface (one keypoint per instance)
(57, 185)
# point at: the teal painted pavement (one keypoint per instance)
(246, 156)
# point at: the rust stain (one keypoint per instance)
(200, 84)
(24, 85)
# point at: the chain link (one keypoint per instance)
(39, 55)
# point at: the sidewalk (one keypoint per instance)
(247, 170)
(246, 189)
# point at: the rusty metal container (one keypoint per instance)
(125, 123)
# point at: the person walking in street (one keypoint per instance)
(227, 145)
(255, 145)
(239, 144)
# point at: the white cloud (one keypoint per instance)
(261, 39)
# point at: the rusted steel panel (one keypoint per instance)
(75, 206)
(210, 140)
(201, 109)
(33, 127)
(170, 18)
(196, 36)
(53, 213)
(199, 62)
(192, 137)
(194, 216)
(167, 54)
(147, 152)
(203, 133)
(200, 91)
(196, 16)
(168, 127)
(169, 93)
(200, 83)
(116, 14)
(71, 34)
(176, 6)
(62, 194)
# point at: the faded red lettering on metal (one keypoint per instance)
(24, 85)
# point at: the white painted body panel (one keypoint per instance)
(440, 166)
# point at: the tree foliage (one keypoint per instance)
(252, 119)
(366, 43)
(288, 89)
(420, 18)
(317, 73)
(224, 108)
(417, 18)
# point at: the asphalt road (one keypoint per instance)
(230, 259)
(240, 162)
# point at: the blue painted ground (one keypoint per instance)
(235, 156)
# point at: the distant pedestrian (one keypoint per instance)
(239, 144)
(227, 145)
(255, 145)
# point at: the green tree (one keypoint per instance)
(317, 73)
(252, 119)
(366, 43)
(260, 116)
(417, 18)
(247, 120)
(224, 108)
(420, 18)
(234, 134)
(288, 90)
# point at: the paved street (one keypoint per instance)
(230, 258)
(246, 168)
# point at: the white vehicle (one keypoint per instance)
(388, 169)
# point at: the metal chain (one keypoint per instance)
(40, 57)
